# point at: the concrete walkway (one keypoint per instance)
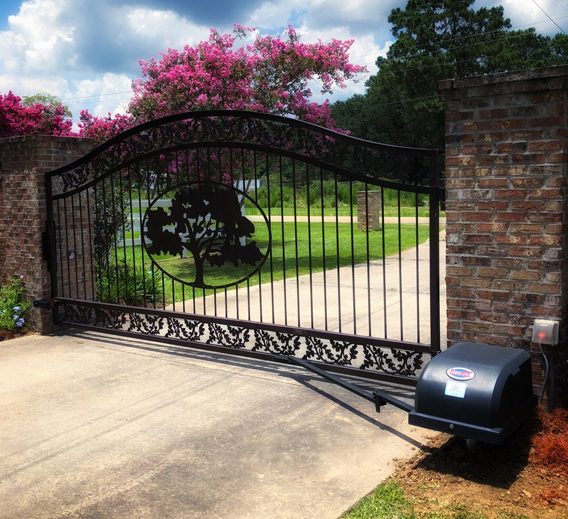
(386, 299)
(99, 427)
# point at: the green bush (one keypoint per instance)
(13, 310)
(120, 284)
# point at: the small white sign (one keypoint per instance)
(456, 389)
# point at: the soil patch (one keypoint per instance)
(5, 335)
(491, 480)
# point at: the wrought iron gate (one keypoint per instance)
(252, 234)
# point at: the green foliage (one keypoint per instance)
(13, 310)
(123, 284)
(342, 195)
(47, 100)
(110, 220)
(438, 39)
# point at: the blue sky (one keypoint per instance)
(86, 52)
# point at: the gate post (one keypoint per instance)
(23, 164)
(507, 193)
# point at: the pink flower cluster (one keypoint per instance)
(37, 119)
(271, 75)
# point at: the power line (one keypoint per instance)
(561, 5)
(534, 2)
(96, 95)
(487, 33)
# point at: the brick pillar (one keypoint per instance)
(507, 247)
(369, 205)
(23, 163)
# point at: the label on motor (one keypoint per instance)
(455, 389)
(460, 373)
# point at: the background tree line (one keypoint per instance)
(438, 39)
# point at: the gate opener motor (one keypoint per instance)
(477, 391)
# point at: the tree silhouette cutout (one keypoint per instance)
(208, 225)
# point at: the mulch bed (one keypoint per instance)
(4, 335)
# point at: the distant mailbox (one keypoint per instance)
(476, 391)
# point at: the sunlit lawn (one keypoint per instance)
(306, 248)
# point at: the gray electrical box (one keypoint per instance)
(476, 391)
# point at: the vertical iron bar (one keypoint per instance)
(384, 254)
(163, 291)
(141, 223)
(60, 227)
(133, 249)
(353, 258)
(198, 166)
(117, 301)
(91, 252)
(283, 243)
(434, 232)
(310, 245)
(338, 263)
(295, 187)
(261, 315)
(323, 249)
(123, 225)
(400, 267)
(158, 175)
(68, 294)
(75, 260)
(417, 268)
(81, 223)
(368, 259)
(267, 165)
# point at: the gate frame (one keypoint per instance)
(435, 193)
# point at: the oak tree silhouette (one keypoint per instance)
(208, 225)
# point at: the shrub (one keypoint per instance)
(13, 310)
(122, 285)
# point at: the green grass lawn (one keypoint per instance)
(296, 250)
(388, 501)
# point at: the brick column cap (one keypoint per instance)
(503, 77)
(45, 138)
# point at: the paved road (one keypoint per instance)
(103, 428)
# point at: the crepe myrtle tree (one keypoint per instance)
(271, 75)
(33, 118)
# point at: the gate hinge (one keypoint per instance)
(44, 304)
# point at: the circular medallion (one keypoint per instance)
(199, 235)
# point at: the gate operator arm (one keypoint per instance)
(379, 398)
(472, 390)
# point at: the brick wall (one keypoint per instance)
(507, 247)
(23, 163)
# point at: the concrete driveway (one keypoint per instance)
(95, 426)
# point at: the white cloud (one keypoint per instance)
(26, 86)
(166, 28)
(525, 13)
(100, 96)
(86, 52)
(38, 41)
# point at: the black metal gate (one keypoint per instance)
(253, 234)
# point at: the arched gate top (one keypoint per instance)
(231, 128)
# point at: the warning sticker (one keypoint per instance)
(456, 389)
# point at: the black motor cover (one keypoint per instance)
(475, 390)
